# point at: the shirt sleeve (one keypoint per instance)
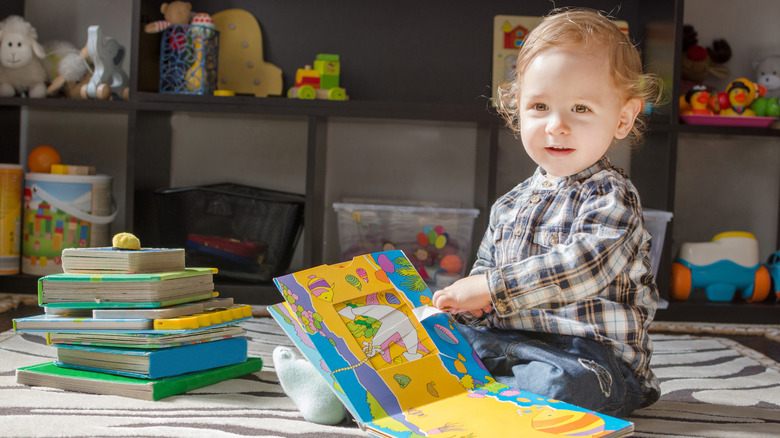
(603, 238)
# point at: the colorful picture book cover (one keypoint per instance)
(509, 32)
(401, 367)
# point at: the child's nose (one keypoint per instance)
(556, 124)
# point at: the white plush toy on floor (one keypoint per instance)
(21, 69)
(306, 387)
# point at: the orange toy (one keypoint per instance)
(41, 158)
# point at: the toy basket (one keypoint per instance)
(247, 233)
(188, 59)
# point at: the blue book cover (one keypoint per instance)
(401, 367)
(153, 364)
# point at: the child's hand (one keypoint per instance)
(470, 294)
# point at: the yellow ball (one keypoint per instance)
(126, 241)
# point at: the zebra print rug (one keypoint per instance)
(712, 387)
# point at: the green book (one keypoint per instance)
(99, 289)
(52, 376)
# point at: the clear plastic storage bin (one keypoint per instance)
(436, 239)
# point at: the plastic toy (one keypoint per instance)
(696, 101)
(739, 95)
(773, 266)
(721, 267)
(42, 158)
(21, 69)
(108, 79)
(241, 67)
(322, 82)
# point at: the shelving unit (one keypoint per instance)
(405, 63)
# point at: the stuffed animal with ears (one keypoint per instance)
(767, 70)
(21, 69)
(67, 67)
(176, 12)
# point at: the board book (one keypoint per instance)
(63, 324)
(109, 260)
(53, 376)
(153, 364)
(145, 340)
(125, 288)
(401, 367)
(165, 312)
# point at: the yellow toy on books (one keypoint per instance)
(206, 319)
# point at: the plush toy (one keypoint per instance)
(767, 71)
(67, 68)
(126, 241)
(176, 12)
(699, 62)
(21, 70)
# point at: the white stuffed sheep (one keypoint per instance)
(21, 69)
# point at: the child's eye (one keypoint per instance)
(539, 107)
(580, 109)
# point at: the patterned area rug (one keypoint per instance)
(712, 387)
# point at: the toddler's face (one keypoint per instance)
(570, 111)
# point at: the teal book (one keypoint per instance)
(128, 290)
(52, 376)
(401, 367)
(153, 364)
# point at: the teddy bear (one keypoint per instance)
(176, 12)
(767, 70)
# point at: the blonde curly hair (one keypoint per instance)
(582, 27)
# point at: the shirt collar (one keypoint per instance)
(602, 164)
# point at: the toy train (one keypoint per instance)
(321, 82)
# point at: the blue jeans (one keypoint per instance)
(579, 371)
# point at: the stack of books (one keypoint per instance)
(136, 323)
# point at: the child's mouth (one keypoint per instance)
(558, 151)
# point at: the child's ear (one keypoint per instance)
(628, 113)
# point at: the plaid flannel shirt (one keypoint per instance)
(571, 256)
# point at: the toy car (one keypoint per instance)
(322, 82)
(773, 265)
(721, 267)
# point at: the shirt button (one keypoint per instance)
(534, 199)
(553, 240)
(546, 184)
(501, 307)
(518, 232)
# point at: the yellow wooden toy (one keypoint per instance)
(241, 66)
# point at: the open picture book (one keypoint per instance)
(401, 367)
